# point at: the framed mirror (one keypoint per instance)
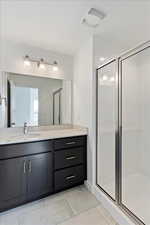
(37, 101)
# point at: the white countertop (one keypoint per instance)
(41, 134)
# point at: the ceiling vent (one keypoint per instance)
(93, 18)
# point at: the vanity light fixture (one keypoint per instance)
(41, 64)
(55, 67)
(3, 99)
(27, 61)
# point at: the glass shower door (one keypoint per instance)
(106, 124)
(136, 133)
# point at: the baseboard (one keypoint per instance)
(88, 186)
(110, 206)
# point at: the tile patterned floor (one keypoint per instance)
(75, 206)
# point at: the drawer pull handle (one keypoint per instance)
(30, 167)
(70, 177)
(71, 143)
(24, 166)
(71, 157)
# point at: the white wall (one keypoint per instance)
(12, 55)
(11, 60)
(131, 117)
(83, 97)
(67, 104)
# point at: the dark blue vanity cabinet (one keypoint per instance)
(30, 171)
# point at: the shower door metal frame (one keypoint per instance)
(127, 55)
(118, 130)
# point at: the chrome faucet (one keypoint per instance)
(25, 128)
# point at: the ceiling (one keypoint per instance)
(56, 24)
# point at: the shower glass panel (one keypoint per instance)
(136, 134)
(106, 92)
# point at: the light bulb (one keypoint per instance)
(27, 61)
(41, 64)
(55, 67)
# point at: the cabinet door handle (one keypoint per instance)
(71, 157)
(70, 177)
(24, 167)
(30, 167)
(71, 143)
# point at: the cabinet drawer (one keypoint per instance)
(68, 157)
(23, 149)
(68, 177)
(69, 142)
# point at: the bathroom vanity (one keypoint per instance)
(46, 155)
(31, 169)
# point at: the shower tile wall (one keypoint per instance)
(131, 112)
(145, 95)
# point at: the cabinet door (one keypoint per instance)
(39, 175)
(12, 182)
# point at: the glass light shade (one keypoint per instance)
(41, 64)
(27, 61)
(55, 68)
